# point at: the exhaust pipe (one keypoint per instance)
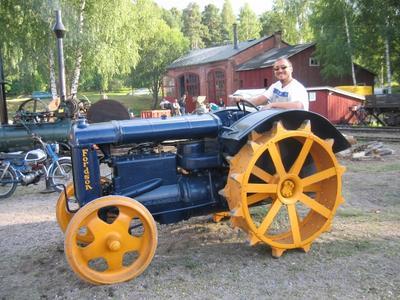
(59, 30)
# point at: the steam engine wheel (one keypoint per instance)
(284, 187)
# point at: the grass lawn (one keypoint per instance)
(136, 103)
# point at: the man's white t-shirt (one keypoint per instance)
(293, 92)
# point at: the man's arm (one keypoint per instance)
(256, 100)
(284, 105)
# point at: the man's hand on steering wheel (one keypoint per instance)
(245, 103)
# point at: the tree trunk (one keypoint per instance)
(155, 89)
(388, 71)
(77, 72)
(353, 73)
(53, 84)
(79, 55)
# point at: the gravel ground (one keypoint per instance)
(199, 259)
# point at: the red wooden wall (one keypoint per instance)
(309, 76)
(336, 107)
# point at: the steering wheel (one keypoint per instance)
(32, 110)
(33, 105)
(245, 103)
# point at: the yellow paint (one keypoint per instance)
(86, 171)
(286, 189)
(112, 240)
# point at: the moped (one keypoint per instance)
(27, 168)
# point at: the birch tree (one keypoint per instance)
(249, 25)
(332, 35)
(227, 19)
(192, 26)
(156, 54)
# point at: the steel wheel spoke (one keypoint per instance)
(256, 198)
(114, 261)
(261, 188)
(276, 159)
(298, 164)
(132, 243)
(273, 211)
(312, 188)
(314, 205)
(294, 223)
(123, 220)
(260, 173)
(96, 225)
(320, 176)
(92, 251)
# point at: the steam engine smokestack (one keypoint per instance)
(59, 30)
(235, 37)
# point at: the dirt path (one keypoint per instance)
(197, 259)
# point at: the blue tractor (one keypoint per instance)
(273, 173)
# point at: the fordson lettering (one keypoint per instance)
(86, 172)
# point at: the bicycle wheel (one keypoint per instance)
(60, 173)
(8, 182)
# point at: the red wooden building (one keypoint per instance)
(219, 71)
(212, 72)
(336, 105)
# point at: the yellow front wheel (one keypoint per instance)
(124, 240)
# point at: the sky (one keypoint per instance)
(258, 6)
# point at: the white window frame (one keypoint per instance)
(313, 62)
(312, 96)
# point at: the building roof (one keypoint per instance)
(213, 54)
(336, 90)
(268, 58)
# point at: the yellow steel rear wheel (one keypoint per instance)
(123, 245)
(284, 187)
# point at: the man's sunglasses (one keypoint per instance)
(280, 67)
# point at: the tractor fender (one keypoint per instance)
(235, 136)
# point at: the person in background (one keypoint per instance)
(221, 102)
(201, 104)
(182, 104)
(286, 93)
(176, 111)
(165, 104)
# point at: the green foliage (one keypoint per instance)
(330, 35)
(211, 19)
(378, 21)
(227, 19)
(118, 35)
(193, 29)
(371, 23)
(249, 25)
(292, 18)
(161, 46)
(271, 22)
(173, 18)
(24, 42)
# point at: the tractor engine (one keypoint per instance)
(174, 167)
(175, 184)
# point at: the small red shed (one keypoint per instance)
(336, 105)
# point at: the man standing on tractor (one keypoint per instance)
(286, 93)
